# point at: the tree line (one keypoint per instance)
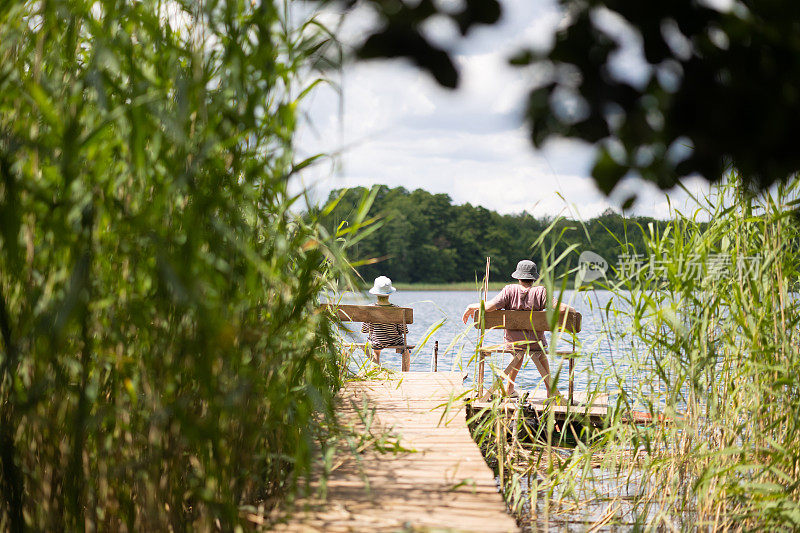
(425, 238)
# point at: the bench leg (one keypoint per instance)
(406, 365)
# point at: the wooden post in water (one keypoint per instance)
(572, 370)
(479, 361)
(486, 279)
(436, 356)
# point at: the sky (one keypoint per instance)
(392, 124)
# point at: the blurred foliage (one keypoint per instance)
(162, 366)
(718, 86)
(424, 238)
(399, 31)
(719, 89)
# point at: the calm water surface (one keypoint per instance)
(604, 363)
(457, 341)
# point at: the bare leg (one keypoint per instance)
(376, 356)
(406, 365)
(512, 370)
(543, 366)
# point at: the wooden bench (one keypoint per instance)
(569, 322)
(378, 315)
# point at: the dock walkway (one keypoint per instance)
(443, 484)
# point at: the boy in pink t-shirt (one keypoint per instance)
(522, 296)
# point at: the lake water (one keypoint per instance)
(605, 363)
(457, 341)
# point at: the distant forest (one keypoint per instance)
(424, 238)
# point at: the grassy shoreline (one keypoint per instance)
(460, 286)
(494, 286)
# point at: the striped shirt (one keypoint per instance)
(382, 335)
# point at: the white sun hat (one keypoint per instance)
(382, 286)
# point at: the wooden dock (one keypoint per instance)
(442, 484)
(592, 409)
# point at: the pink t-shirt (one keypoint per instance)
(518, 298)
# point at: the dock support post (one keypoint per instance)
(572, 370)
(436, 356)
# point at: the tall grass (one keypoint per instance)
(704, 331)
(162, 362)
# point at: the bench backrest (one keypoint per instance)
(529, 320)
(373, 313)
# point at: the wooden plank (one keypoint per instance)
(529, 320)
(595, 407)
(443, 485)
(644, 418)
(559, 410)
(579, 398)
(372, 313)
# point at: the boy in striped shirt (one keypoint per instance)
(383, 335)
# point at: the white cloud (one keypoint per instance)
(400, 129)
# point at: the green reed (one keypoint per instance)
(163, 365)
(703, 330)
